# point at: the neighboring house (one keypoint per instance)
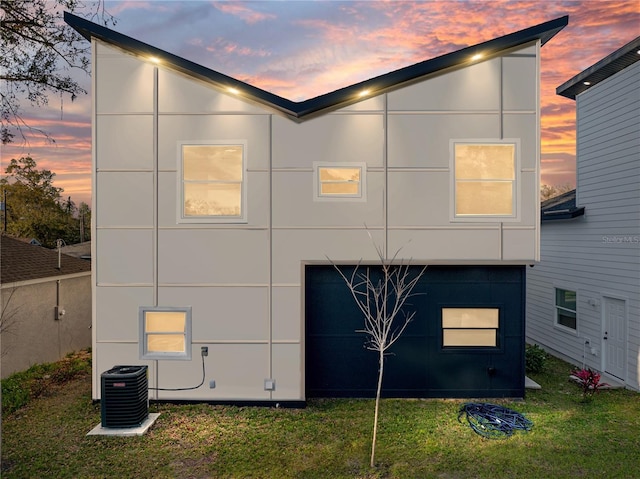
(78, 250)
(583, 299)
(217, 206)
(46, 305)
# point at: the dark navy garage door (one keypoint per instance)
(466, 340)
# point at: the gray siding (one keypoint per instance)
(597, 255)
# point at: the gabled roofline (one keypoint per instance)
(329, 101)
(608, 66)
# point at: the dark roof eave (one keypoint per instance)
(563, 214)
(619, 60)
(330, 101)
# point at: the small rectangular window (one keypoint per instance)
(470, 327)
(165, 333)
(339, 181)
(212, 183)
(484, 179)
(566, 315)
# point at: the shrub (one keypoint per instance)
(535, 358)
(589, 381)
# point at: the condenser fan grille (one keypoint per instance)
(124, 396)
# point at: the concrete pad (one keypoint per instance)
(125, 431)
(531, 384)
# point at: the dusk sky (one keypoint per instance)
(301, 49)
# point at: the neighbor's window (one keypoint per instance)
(212, 183)
(470, 327)
(484, 179)
(339, 181)
(165, 333)
(566, 308)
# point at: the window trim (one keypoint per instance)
(181, 218)
(516, 182)
(362, 190)
(556, 324)
(142, 338)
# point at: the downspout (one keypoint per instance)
(385, 165)
(155, 210)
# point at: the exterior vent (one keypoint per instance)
(124, 396)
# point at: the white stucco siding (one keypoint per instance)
(118, 307)
(336, 138)
(597, 255)
(118, 69)
(179, 94)
(476, 87)
(125, 142)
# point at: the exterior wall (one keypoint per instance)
(597, 255)
(33, 335)
(245, 281)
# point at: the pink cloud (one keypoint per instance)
(240, 10)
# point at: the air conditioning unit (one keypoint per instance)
(124, 399)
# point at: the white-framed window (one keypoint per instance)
(565, 309)
(485, 179)
(165, 332)
(339, 181)
(470, 327)
(212, 182)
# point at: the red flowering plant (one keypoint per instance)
(589, 381)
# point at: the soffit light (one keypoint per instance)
(476, 57)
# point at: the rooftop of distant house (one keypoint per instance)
(21, 261)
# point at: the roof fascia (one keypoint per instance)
(298, 111)
(596, 73)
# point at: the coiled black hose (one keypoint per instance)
(493, 421)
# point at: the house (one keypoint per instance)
(583, 299)
(46, 305)
(217, 204)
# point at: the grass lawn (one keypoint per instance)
(329, 439)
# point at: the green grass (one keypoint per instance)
(46, 438)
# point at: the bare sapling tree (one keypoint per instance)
(382, 299)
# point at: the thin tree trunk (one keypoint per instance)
(375, 417)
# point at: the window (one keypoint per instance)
(212, 183)
(165, 333)
(339, 181)
(566, 309)
(470, 327)
(484, 179)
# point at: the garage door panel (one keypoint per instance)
(339, 365)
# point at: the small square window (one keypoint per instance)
(340, 181)
(165, 333)
(566, 313)
(470, 327)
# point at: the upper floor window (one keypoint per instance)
(340, 181)
(566, 313)
(212, 182)
(485, 179)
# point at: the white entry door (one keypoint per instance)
(615, 336)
